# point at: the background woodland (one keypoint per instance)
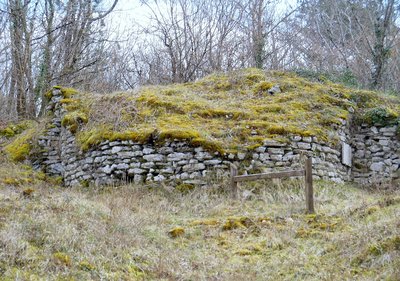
(71, 43)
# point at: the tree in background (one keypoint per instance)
(357, 36)
(50, 42)
(69, 42)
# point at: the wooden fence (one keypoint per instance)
(306, 172)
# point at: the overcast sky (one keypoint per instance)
(128, 11)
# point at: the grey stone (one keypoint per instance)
(212, 162)
(264, 156)
(154, 157)
(276, 157)
(165, 150)
(184, 176)
(296, 138)
(388, 129)
(193, 167)
(377, 167)
(138, 178)
(178, 156)
(273, 143)
(288, 156)
(260, 149)
(374, 130)
(136, 171)
(388, 162)
(276, 151)
(167, 170)
(100, 159)
(127, 154)
(241, 155)
(304, 145)
(384, 142)
(375, 148)
(159, 178)
(148, 165)
(148, 150)
(88, 160)
(203, 156)
(122, 166)
(106, 169)
(182, 162)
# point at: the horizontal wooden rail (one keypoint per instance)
(306, 173)
(296, 173)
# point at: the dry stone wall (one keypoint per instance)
(376, 155)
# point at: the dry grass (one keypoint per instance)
(126, 233)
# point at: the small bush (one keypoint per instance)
(381, 116)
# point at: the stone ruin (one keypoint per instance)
(365, 154)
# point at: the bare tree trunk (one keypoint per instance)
(381, 50)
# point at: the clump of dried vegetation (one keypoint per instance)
(48, 232)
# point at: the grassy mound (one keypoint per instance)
(225, 112)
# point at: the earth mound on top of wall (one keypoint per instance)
(227, 113)
(257, 120)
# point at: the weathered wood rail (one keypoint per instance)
(306, 172)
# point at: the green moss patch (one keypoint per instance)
(20, 148)
(13, 129)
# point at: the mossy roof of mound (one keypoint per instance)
(225, 112)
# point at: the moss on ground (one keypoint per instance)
(22, 144)
(13, 129)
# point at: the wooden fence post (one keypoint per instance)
(309, 186)
(234, 184)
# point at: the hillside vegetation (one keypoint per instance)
(159, 233)
(225, 112)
